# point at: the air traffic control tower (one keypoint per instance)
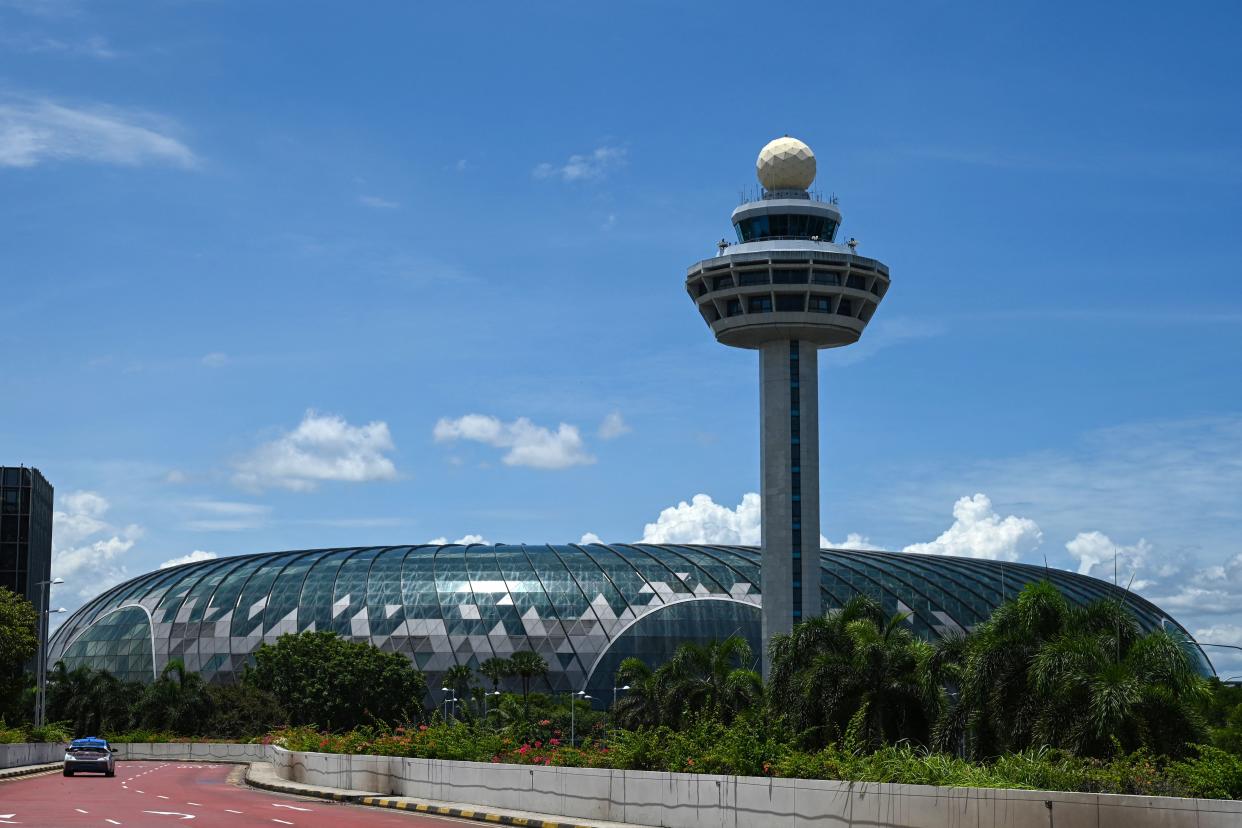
(786, 288)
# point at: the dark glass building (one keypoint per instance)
(583, 607)
(25, 531)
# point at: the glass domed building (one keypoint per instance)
(583, 607)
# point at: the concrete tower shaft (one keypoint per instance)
(786, 288)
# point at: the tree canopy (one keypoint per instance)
(322, 679)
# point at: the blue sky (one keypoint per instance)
(260, 259)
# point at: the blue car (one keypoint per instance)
(91, 754)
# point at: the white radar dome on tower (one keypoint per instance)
(785, 164)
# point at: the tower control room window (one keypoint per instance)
(821, 304)
(722, 282)
(789, 275)
(845, 308)
(752, 278)
(759, 304)
(790, 302)
(733, 307)
(826, 277)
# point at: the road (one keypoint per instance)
(166, 794)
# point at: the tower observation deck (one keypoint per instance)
(786, 288)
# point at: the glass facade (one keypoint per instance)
(794, 226)
(583, 607)
(25, 530)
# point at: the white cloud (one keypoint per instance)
(215, 359)
(442, 540)
(1095, 553)
(595, 164)
(979, 532)
(378, 202)
(87, 551)
(590, 537)
(92, 46)
(193, 557)
(852, 541)
(702, 520)
(322, 447)
(528, 444)
(37, 131)
(613, 426)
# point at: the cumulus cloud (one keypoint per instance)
(442, 540)
(215, 359)
(193, 557)
(322, 448)
(33, 132)
(87, 551)
(528, 444)
(595, 164)
(613, 426)
(590, 537)
(702, 520)
(979, 532)
(1096, 553)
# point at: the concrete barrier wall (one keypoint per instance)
(680, 800)
(192, 751)
(30, 753)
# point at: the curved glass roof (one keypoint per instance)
(453, 604)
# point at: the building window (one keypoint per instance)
(733, 307)
(753, 278)
(857, 282)
(826, 277)
(790, 302)
(821, 304)
(789, 276)
(759, 304)
(845, 308)
(722, 283)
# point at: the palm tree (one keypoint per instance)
(641, 705)
(714, 678)
(91, 701)
(527, 666)
(458, 678)
(496, 670)
(176, 701)
(855, 671)
(1041, 672)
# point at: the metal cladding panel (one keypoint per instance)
(580, 606)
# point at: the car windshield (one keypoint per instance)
(97, 744)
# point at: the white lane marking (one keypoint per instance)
(160, 796)
(231, 811)
(170, 813)
(80, 811)
(290, 807)
(199, 804)
(281, 821)
(139, 791)
(113, 821)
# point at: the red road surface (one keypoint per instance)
(167, 794)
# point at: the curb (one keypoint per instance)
(12, 773)
(465, 813)
(312, 792)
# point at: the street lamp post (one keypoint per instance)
(41, 661)
(450, 696)
(572, 707)
(487, 707)
(614, 693)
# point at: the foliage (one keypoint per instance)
(712, 680)
(1042, 672)
(176, 701)
(19, 642)
(242, 711)
(855, 668)
(321, 678)
(52, 732)
(89, 701)
(496, 670)
(527, 666)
